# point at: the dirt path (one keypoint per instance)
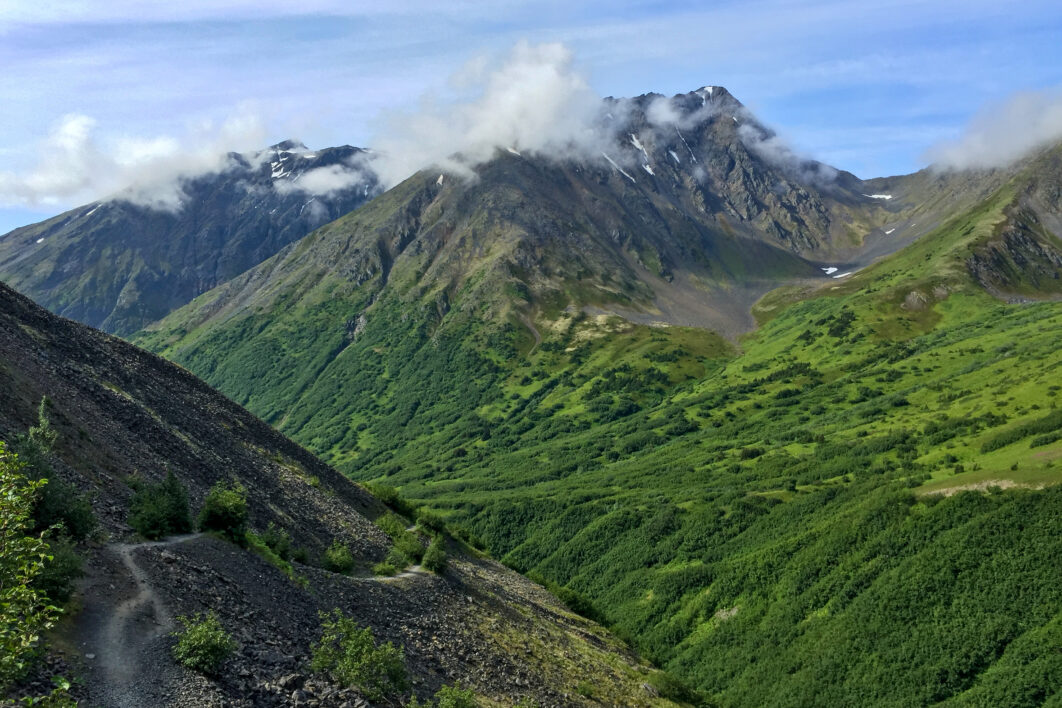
(414, 571)
(124, 629)
(534, 332)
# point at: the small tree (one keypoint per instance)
(203, 645)
(56, 503)
(161, 509)
(349, 655)
(225, 511)
(24, 610)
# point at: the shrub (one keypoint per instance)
(428, 519)
(338, 559)
(672, 688)
(203, 645)
(349, 655)
(225, 511)
(435, 557)
(24, 610)
(60, 504)
(161, 509)
(391, 497)
(410, 546)
(385, 569)
(278, 540)
(58, 576)
(392, 524)
(455, 697)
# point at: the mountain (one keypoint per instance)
(854, 502)
(125, 418)
(117, 265)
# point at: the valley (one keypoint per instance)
(794, 442)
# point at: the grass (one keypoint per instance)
(669, 476)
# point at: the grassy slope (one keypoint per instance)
(759, 520)
(764, 529)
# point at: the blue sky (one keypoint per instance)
(864, 86)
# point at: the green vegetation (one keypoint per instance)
(225, 512)
(338, 558)
(58, 505)
(261, 546)
(856, 503)
(435, 557)
(350, 656)
(159, 510)
(407, 548)
(24, 609)
(203, 645)
(448, 697)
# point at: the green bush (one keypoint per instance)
(670, 687)
(225, 511)
(428, 519)
(57, 579)
(349, 655)
(455, 697)
(278, 540)
(386, 569)
(60, 504)
(24, 610)
(396, 558)
(410, 546)
(159, 510)
(435, 557)
(391, 497)
(203, 645)
(338, 559)
(393, 525)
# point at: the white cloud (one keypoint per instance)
(324, 181)
(533, 102)
(75, 166)
(1004, 132)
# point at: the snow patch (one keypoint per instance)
(694, 157)
(705, 92)
(40, 240)
(93, 211)
(674, 157)
(638, 144)
(649, 169)
(440, 180)
(889, 231)
(830, 270)
(514, 152)
(618, 168)
(878, 196)
(842, 275)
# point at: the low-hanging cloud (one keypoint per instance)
(533, 102)
(327, 180)
(75, 165)
(1003, 132)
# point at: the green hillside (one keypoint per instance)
(853, 505)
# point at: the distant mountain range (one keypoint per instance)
(117, 265)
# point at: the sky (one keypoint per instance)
(874, 87)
